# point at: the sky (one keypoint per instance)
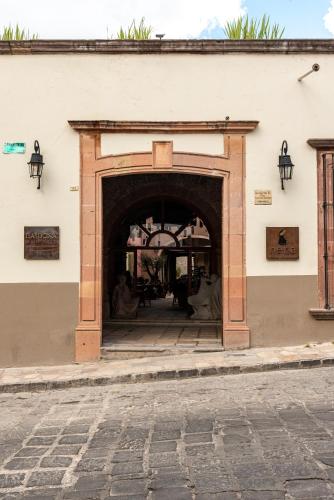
(175, 18)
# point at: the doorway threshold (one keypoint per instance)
(124, 351)
(154, 322)
(140, 339)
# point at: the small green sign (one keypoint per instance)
(14, 147)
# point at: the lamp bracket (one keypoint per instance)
(284, 148)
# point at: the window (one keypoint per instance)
(326, 229)
(325, 175)
(162, 239)
(165, 224)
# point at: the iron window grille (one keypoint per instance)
(328, 228)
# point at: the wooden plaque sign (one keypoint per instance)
(282, 243)
(41, 242)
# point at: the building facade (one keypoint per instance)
(198, 123)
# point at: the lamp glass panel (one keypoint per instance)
(288, 172)
(34, 170)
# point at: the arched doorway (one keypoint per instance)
(229, 166)
(163, 231)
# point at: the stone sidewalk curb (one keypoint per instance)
(162, 375)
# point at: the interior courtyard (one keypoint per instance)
(162, 261)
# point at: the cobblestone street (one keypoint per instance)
(263, 436)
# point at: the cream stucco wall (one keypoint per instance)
(212, 144)
(40, 93)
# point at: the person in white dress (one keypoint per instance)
(124, 305)
(207, 302)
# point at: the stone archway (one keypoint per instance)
(94, 167)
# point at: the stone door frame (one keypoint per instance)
(322, 147)
(230, 167)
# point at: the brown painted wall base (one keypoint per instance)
(38, 321)
(278, 311)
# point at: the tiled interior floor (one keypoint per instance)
(162, 309)
(174, 329)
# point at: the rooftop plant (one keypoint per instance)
(135, 31)
(16, 33)
(245, 28)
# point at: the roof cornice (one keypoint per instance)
(291, 46)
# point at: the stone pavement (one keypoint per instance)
(166, 367)
(261, 436)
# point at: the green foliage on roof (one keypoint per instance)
(16, 33)
(135, 31)
(245, 28)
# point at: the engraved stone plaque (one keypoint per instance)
(263, 197)
(41, 242)
(282, 243)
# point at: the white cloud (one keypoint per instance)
(89, 18)
(329, 18)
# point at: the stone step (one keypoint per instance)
(123, 351)
(156, 322)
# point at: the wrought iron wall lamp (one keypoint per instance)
(36, 164)
(285, 164)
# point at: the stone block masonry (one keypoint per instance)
(255, 436)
